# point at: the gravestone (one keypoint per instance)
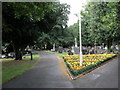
(64, 49)
(53, 49)
(100, 50)
(76, 43)
(84, 50)
(69, 52)
(76, 50)
(60, 49)
(72, 49)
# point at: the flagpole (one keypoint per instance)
(80, 48)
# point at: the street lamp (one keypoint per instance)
(80, 48)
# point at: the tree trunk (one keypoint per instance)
(31, 55)
(20, 56)
(16, 50)
(18, 53)
(108, 46)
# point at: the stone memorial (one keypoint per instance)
(72, 49)
(84, 50)
(69, 52)
(60, 49)
(53, 49)
(76, 50)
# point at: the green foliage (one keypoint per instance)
(103, 24)
(100, 23)
(54, 25)
(28, 23)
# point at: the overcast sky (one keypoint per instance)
(76, 5)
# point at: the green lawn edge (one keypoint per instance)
(14, 70)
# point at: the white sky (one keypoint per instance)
(76, 5)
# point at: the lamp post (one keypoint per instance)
(79, 19)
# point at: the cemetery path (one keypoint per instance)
(48, 74)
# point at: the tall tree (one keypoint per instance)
(55, 24)
(102, 22)
(24, 22)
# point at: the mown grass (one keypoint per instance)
(58, 54)
(12, 68)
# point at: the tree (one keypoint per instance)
(101, 19)
(19, 26)
(54, 25)
(23, 23)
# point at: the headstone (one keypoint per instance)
(76, 50)
(54, 47)
(84, 50)
(95, 48)
(45, 46)
(65, 50)
(53, 50)
(100, 51)
(102, 46)
(72, 49)
(60, 49)
(69, 52)
(89, 49)
(76, 42)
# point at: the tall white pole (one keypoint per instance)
(79, 17)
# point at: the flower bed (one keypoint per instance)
(89, 62)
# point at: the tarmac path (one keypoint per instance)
(47, 73)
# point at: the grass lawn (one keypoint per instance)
(12, 68)
(58, 54)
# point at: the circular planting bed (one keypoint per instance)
(89, 63)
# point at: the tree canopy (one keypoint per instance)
(100, 23)
(45, 23)
(24, 23)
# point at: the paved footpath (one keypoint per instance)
(48, 74)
